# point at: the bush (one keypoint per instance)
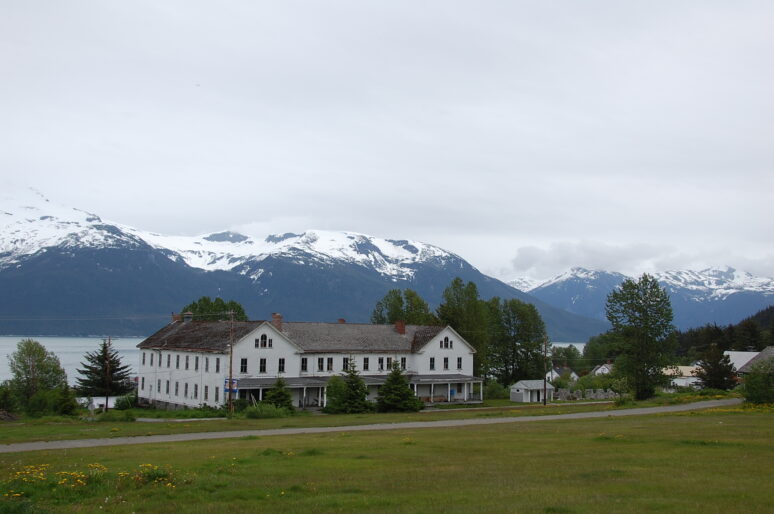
(759, 382)
(496, 391)
(279, 396)
(128, 401)
(116, 415)
(7, 401)
(265, 410)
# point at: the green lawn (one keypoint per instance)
(721, 460)
(54, 429)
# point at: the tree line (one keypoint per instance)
(508, 335)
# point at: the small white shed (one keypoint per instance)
(531, 391)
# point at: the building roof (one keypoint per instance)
(680, 371)
(739, 359)
(531, 384)
(766, 353)
(308, 336)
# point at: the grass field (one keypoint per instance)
(720, 460)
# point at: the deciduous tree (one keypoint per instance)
(641, 313)
(33, 370)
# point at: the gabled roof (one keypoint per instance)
(531, 384)
(766, 353)
(198, 335)
(309, 336)
(739, 359)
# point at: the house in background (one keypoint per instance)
(531, 391)
(191, 363)
(558, 372)
(602, 369)
(766, 353)
(739, 359)
(682, 376)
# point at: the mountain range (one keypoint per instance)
(64, 271)
(714, 295)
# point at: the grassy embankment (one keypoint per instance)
(720, 460)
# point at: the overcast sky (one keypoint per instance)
(527, 137)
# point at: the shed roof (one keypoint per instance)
(531, 384)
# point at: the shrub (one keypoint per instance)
(495, 390)
(128, 401)
(759, 382)
(265, 410)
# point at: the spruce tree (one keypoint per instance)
(396, 394)
(279, 396)
(103, 374)
(348, 393)
(715, 370)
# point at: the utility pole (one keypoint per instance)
(231, 363)
(545, 358)
(107, 374)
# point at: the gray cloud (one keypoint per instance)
(484, 129)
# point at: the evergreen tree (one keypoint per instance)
(641, 313)
(715, 370)
(516, 345)
(464, 311)
(206, 309)
(34, 370)
(759, 382)
(404, 305)
(396, 394)
(102, 374)
(279, 395)
(351, 397)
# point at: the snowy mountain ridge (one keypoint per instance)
(31, 223)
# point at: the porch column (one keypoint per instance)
(432, 391)
(319, 396)
(260, 394)
(466, 390)
(448, 392)
(303, 399)
(325, 396)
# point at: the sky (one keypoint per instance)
(527, 137)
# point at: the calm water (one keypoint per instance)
(71, 351)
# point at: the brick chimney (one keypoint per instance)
(400, 326)
(342, 321)
(187, 316)
(276, 319)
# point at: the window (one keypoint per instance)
(344, 364)
(459, 362)
(187, 359)
(243, 366)
(167, 389)
(143, 358)
(389, 362)
(269, 343)
(320, 364)
(445, 363)
(196, 391)
(206, 364)
(330, 364)
(381, 363)
(365, 363)
(445, 342)
(263, 341)
(441, 344)
(403, 363)
(185, 390)
(151, 360)
(169, 359)
(257, 343)
(261, 365)
(177, 388)
(177, 362)
(217, 365)
(217, 393)
(142, 383)
(304, 365)
(196, 363)
(281, 365)
(206, 393)
(451, 343)
(158, 385)
(432, 363)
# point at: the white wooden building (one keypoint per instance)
(531, 391)
(186, 363)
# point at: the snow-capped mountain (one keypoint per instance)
(713, 295)
(61, 264)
